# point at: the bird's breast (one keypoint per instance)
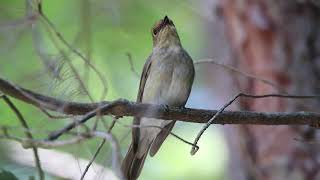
(170, 80)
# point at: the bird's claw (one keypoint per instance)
(182, 108)
(165, 107)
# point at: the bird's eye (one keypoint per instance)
(155, 31)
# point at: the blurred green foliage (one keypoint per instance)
(7, 175)
(105, 31)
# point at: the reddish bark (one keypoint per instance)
(279, 41)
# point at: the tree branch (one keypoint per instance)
(27, 133)
(123, 107)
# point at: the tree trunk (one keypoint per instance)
(278, 41)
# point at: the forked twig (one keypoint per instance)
(205, 127)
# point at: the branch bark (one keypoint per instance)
(124, 107)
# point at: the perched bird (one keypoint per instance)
(166, 79)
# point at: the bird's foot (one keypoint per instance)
(182, 108)
(165, 107)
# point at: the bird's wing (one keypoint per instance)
(136, 120)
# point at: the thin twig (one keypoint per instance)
(205, 127)
(245, 74)
(28, 143)
(92, 159)
(161, 128)
(73, 68)
(22, 129)
(84, 119)
(55, 116)
(115, 149)
(131, 65)
(45, 144)
(28, 134)
(98, 150)
(65, 42)
(114, 120)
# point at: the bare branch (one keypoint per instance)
(194, 150)
(126, 108)
(131, 65)
(93, 159)
(27, 133)
(235, 70)
(65, 42)
(29, 143)
(98, 149)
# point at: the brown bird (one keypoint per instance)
(166, 79)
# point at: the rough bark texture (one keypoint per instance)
(279, 41)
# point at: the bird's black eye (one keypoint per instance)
(155, 31)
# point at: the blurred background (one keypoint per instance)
(112, 34)
(277, 42)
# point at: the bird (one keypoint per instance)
(166, 79)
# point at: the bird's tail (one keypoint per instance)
(132, 164)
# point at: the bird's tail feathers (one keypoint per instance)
(132, 164)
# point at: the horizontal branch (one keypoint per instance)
(123, 107)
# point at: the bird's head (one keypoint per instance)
(164, 33)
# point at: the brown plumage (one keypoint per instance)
(167, 78)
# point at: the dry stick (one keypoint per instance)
(131, 65)
(28, 134)
(161, 128)
(69, 62)
(120, 141)
(87, 61)
(57, 134)
(205, 127)
(93, 159)
(115, 148)
(33, 98)
(27, 143)
(86, 32)
(22, 129)
(127, 108)
(97, 151)
(134, 126)
(29, 4)
(55, 116)
(233, 69)
(38, 44)
(65, 42)
(22, 92)
(73, 69)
